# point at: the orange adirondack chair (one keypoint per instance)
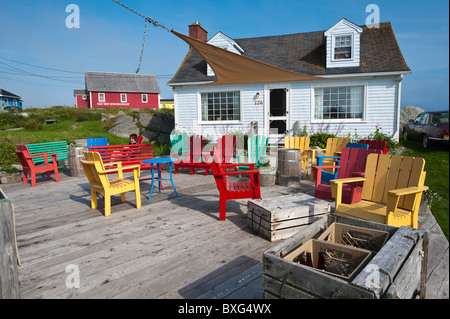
(26, 160)
(97, 175)
(234, 190)
(352, 163)
(391, 193)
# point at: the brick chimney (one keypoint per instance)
(196, 31)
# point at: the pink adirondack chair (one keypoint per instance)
(352, 164)
(376, 145)
(26, 160)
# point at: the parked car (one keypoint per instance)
(427, 127)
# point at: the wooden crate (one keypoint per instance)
(355, 236)
(283, 216)
(398, 270)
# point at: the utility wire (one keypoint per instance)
(41, 67)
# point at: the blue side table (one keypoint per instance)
(158, 161)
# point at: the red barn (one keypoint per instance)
(119, 90)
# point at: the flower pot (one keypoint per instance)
(267, 179)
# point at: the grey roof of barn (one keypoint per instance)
(121, 82)
(305, 53)
(5, 93)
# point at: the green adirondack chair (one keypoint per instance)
(257, 147)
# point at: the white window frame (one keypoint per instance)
(354, 120)
(84, 97)
(146, 97)
(121, 98)
(199, 106)
(102, 97)
(333, 46)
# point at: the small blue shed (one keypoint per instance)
(9, 101)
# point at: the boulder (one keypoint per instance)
(125, 129)
(407, 113)
(124, 120)
(145, 118)
(156, 127)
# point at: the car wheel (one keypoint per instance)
(425, 141)
(405, 134)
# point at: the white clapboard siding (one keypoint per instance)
(381, 108)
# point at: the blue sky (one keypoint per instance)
(35, 40)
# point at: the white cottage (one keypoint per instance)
(346, 79)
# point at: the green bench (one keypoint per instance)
(60, 148)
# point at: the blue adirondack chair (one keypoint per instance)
(328, 176)
(257, 148)
(97, 141)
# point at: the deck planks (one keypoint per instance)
(173, 247)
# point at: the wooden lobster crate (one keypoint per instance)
(335, 259)
(281, 217)
(397, 270)
(360, 237)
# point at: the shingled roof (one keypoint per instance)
(305, 53)
(121, 82)
(5, 93)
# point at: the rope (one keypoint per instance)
(147, 19)
(143, 47)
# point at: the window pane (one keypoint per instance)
(343, 103)
(221, 106)
(343, 47)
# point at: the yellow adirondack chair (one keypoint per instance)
(100, 183)
(334, 145)
(301, 143)
(392, 190)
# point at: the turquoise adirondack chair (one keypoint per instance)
(257, 148)
(179, 146)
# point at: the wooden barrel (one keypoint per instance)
(289, 167)
(75, 167)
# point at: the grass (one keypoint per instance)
(63, 131)
(437, 168)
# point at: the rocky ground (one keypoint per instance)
(153, 127)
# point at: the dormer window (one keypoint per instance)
(343, 47)
(224, 42)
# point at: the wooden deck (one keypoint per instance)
(170, 248)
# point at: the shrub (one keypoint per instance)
(10, 120)
(320, 139)
(7, 154)
(378, 135)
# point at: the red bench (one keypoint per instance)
(131, 154)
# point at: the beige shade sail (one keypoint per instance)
(232, 68)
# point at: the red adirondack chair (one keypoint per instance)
(225, 148)
(194, 158)
(26, 160)
(234, 190)
(352, 164)
(376, 145)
